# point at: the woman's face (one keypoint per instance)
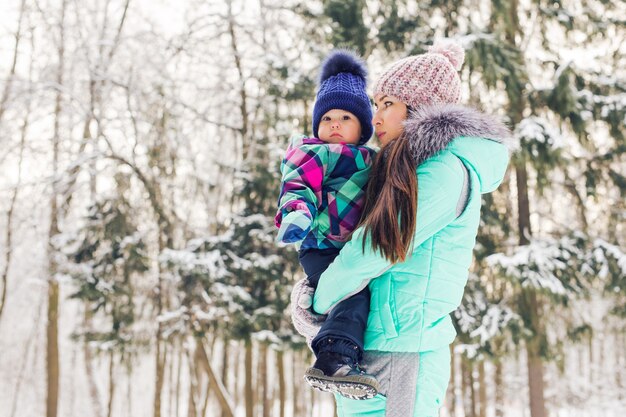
(390, 113)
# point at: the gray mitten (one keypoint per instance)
(306, 322)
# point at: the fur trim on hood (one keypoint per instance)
(430, 129)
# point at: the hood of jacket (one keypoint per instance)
(482, 141)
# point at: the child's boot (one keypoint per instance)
(340, 373)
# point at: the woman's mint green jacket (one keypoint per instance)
(411, 301)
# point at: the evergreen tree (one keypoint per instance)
(569, 120)
(104, 260)
(539, 292)
(241, 276)
(365, 27)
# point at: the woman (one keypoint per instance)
(414, 245)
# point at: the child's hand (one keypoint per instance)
(294, 227)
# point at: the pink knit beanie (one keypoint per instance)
(426, 79)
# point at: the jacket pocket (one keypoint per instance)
(386, 306)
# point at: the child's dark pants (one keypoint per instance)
(343, 330)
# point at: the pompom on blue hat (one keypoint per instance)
(342, 86)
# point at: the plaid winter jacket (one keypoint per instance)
(325, 183)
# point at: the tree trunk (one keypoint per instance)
(534, 361)
(237, 386)
(591, 365)
(9, 80)
(265, 391)
(193, 363)
(600, 365)
(129, 390)
(482, 389)
(258, 385)
(281, 381)
(159, 371)
(472, 389)
(216, 384)
(31, 342)
(172, 379)
(178, 378)
(451, 392)
(5, 96)
(621, 360)
(469, 396)
(52, 333)
(499, 387)
(91, 383)
(248, 393)
(52, 350)
(295, 404)
(462, 409)
(8, 251)
(523, 207)
(619, 364)
(160, 356)
(207, 397)
(243, 107)
(191, 403)
(535, 379)
(225, 365)
(111, 383)
(530, 305)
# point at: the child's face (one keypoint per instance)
(338, 126)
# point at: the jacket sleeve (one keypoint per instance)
(440, 181)
(303, 170)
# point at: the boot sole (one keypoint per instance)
(353, 387)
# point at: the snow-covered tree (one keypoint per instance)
(105, 260)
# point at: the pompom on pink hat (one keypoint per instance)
(426, 79)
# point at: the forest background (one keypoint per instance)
(140, 151)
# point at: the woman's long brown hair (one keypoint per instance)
(390, 209)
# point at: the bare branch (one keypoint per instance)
(162, 217)
(10, 78)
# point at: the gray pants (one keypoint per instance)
(411, 385)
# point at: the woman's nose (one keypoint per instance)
(376, 120)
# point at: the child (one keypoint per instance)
(323, 184)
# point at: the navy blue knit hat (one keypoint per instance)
(342, 86)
